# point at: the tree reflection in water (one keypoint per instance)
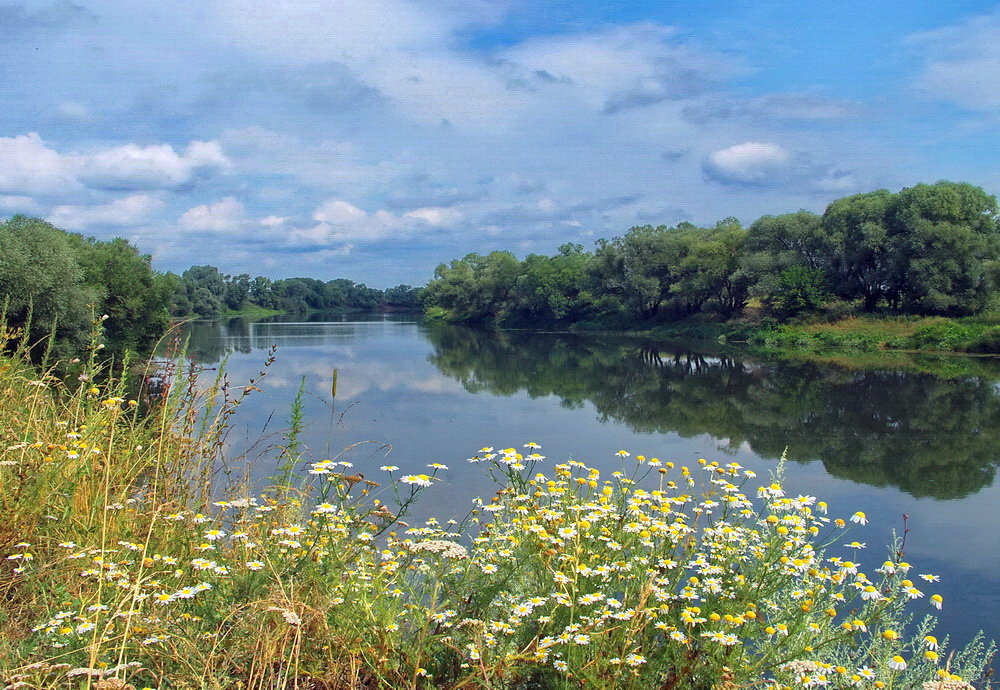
(929, 435)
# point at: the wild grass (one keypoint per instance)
(979, 334)
(128, 561)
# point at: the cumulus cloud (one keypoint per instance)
(961, 62)
(126, 211)
(340, 222)
(749, 163)
(340, 213)
(152, 167)
(31, 168)
(764, 164)
(226, 215)
(435, 216)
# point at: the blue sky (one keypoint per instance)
(374, 139)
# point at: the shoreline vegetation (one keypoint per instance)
(131, 561)
(914, 270)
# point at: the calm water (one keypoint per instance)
(888, 442)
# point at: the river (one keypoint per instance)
(919, 438)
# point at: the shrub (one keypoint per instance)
(986, 342)
(943, 335)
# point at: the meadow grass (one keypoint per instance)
(974, 334)
(130, 561)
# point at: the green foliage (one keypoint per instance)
(943, 335)
(128, 292)
(800, 289)
(42, 284)
(929, 249)
(53, 282)
(205, 291)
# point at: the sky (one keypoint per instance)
(375, 139)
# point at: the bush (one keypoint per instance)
(986, 342)
(944, 335)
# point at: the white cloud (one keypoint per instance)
(340, 222)
(435, 216)
(152, 167)
(129, 210)
(412, 60)
(763, 164)
(316, 30)
(31, 168)
(340, 213)
(18, 204)
(225, 215)
(622, 67)
(750, 163)
(73, 111)
(962, 62)
(273, 221)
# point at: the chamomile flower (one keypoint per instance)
(417, 479)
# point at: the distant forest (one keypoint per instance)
(56, 287)
(206, 291)
(927, 250)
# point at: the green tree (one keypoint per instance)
(206, 288)
(237, 291)
(712, 272)
(944, 239)
(861, 262)
(41, 283)
(554, 288)
(126, 289)
(176, 290)
(475, 288)
(639, 269)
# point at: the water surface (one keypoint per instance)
(919, 439)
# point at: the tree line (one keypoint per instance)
(928, 249)
(55, 286)
(206, 291)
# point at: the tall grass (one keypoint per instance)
(129, 560)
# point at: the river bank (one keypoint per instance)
(129, 560)
(967, 335)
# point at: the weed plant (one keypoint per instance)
(125, 564)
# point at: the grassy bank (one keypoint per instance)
(130, 559)
(864, 333)
(978, 334)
